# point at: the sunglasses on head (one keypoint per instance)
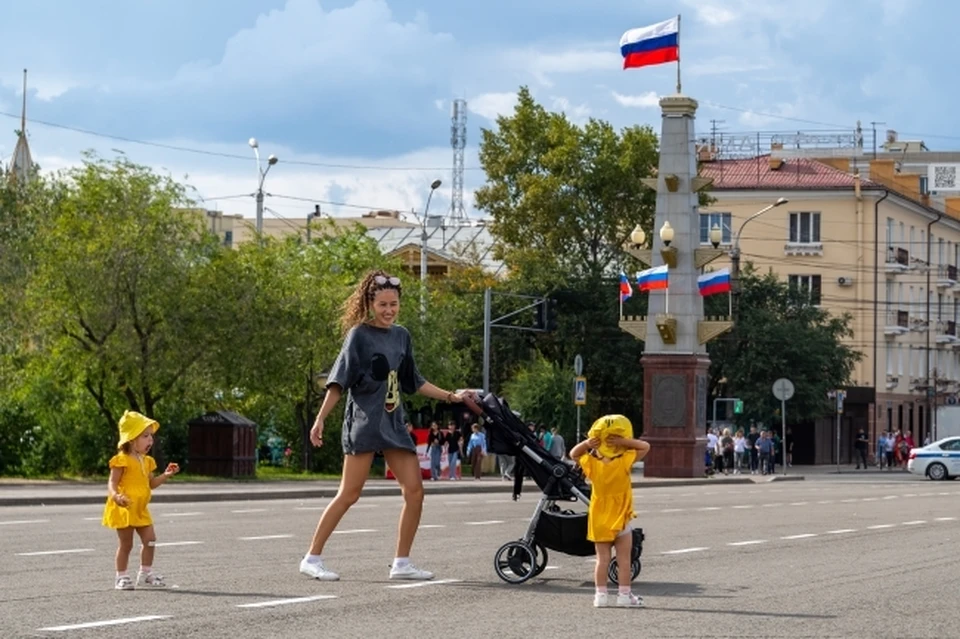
(382, 280)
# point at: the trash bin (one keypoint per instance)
(222, 444)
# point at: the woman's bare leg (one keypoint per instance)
(356, 469)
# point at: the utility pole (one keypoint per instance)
(874, 125)
(312, 216)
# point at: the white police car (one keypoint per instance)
(939, 460)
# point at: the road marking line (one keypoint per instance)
(93, 518)
(433, 525)
(27, 521)
(284, 602)
(265, 537)
(847, 501)
(800, 536)
(945, 519)
(800, 503)
(825, 501)
(421, 584)
(365, 506)
(910, 495)
(456, 503)
(109, 622)
(752, 542)
(944, 494)
(673, 510)
(744, 506)
(178, 543)
(870, 499)
(552, 568)
(709, 508)
(249, 510)
(69, 551)
(180, 514)
(309, 507)
(841, 531)
(771, 505)
(892, 497)
(355, 530)
(682, 551)
(915, 522)
(498, 501)
(880, 526)
(483, 523)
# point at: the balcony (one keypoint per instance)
(946, 276)
(946, 331)
(897, 323)
(898, 260)
(892, 381)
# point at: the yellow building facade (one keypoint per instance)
(863, 238)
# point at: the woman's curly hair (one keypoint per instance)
(356, 309)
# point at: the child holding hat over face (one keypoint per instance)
(607, 457)
(129, 488)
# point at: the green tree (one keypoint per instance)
(780, 333)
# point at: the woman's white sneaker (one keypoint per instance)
(316, 570)
(409, 571)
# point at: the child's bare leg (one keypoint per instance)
(624, 546)
(125, 536)
(148, 538)
(603, 565)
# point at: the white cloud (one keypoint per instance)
(769, 115)
(491, 105)
(583, 58)
(647, 100)
(440, 104)
(714, 15)
(577, 114)
(724, 65)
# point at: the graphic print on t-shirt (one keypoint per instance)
(392, 399)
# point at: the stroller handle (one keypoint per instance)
(469, 402)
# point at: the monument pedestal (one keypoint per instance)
(675, 413)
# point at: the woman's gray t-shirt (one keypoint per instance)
(374, 366)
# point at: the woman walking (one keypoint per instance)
(374, 366)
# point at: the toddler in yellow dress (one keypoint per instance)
(129, 489)
(607, 457)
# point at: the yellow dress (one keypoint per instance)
(611, 497)
(135, 486)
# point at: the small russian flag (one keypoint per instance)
(653, 279)
(655, 44)
(626, 291)
(714, 282)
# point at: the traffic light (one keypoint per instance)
(551, 311)
(738, 407)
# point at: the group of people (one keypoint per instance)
(449, 441)
(893, 449)
(375, 365)
(735, 452)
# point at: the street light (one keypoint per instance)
(716, 236)
(637, 236)
(262, 175)
(423, 250)
(735, 251)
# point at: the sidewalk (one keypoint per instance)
(17, 492)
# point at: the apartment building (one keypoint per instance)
(865, 237)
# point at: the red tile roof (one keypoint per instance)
(794, 173)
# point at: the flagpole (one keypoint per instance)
(666, 309)
(678, 55)
(729, 304)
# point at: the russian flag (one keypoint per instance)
(653, 279)
(714, 282)
(656, 44)
(625, 289)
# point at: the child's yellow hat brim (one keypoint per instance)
(132, 425)
(609, 425)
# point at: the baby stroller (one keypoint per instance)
(551, 527)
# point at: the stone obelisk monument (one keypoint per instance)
(675, 361)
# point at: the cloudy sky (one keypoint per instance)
(354, 95)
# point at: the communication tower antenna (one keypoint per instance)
(458, 140)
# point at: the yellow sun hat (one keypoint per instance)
(132, 425)
(610, 425)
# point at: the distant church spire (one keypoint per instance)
(22, 163)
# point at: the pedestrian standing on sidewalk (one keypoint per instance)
(861, 445)
(435, 441)
(374, 366)
(477, 450)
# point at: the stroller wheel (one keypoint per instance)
(614, 571)
(515, 562)
(540, 558)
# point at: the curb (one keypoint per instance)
(368, 491)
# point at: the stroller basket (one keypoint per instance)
(564, 532)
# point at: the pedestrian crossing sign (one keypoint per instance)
(580, 391)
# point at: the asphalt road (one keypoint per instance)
(841, 557)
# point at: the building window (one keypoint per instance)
(709, 220)
(804, 228)
(807, 284)
(228, 238)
